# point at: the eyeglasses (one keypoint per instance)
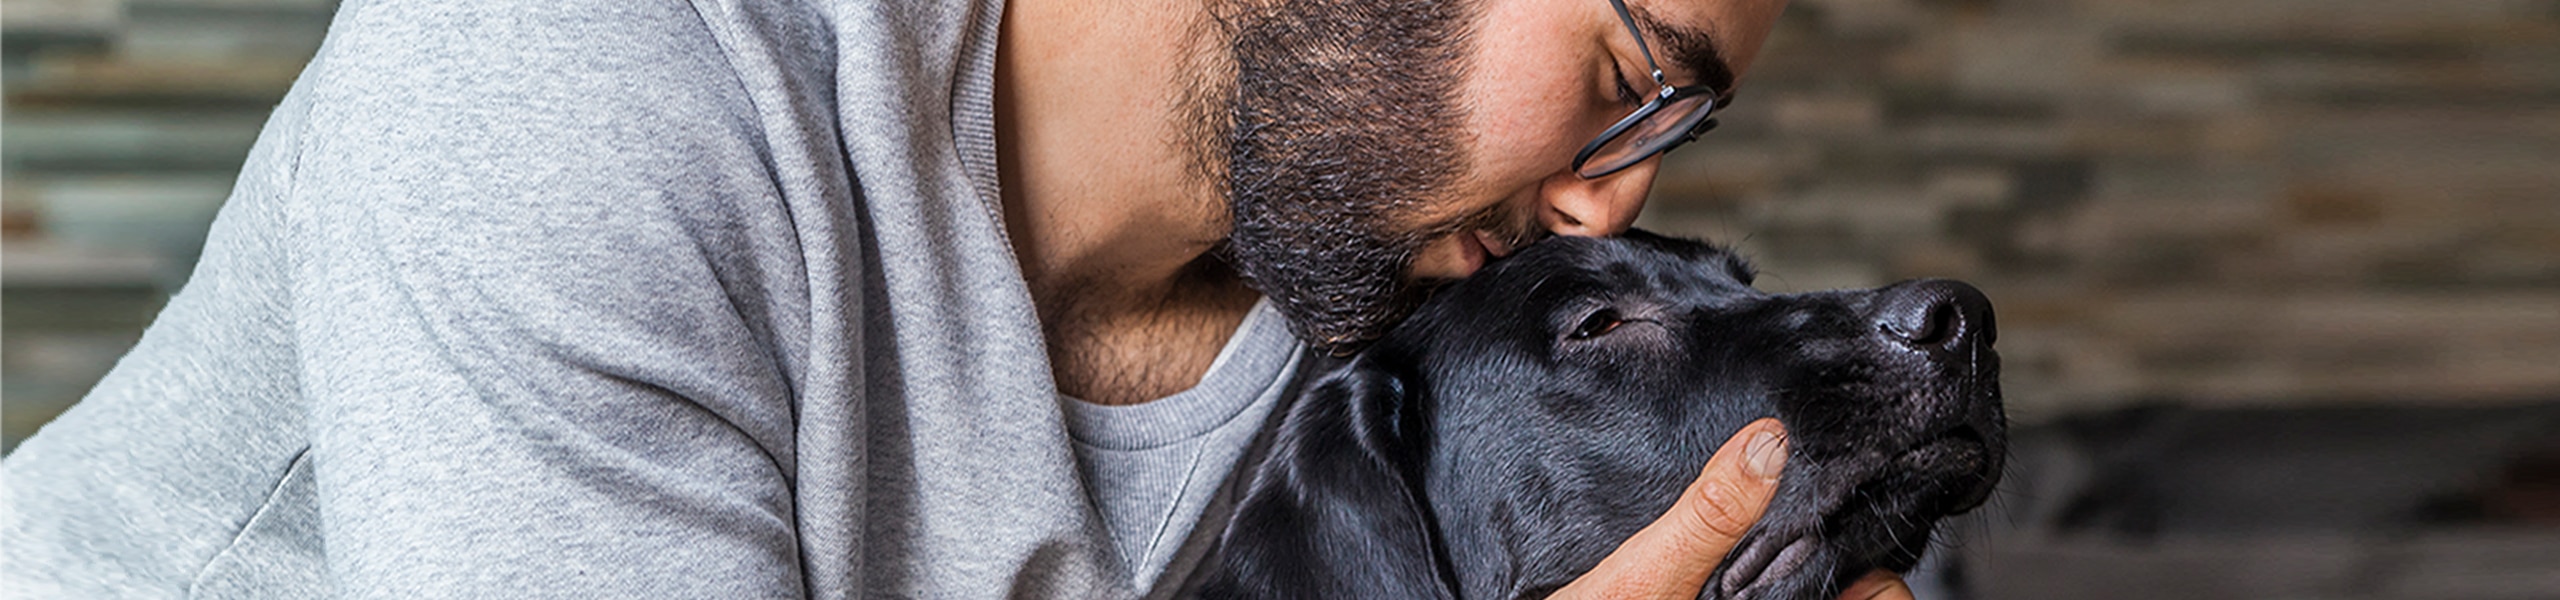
(1674, 116)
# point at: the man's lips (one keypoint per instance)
(1460, 254)
(1492, 245)
(1471, 254)
(1477, 247)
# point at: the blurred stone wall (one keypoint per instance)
(2209, 202)
(125, 123)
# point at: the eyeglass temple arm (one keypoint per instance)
(1641, 47)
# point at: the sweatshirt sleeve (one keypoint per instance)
(537, 273)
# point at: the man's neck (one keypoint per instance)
(1112, 221)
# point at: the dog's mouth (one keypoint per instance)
(1954, 465)
(1886, 518)
(1764, 560)
(1896, 505)
(1877, 506)
(1970, 464)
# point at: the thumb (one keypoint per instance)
(1673, 557)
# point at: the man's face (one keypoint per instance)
(1373, 147)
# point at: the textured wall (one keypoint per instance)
(2217, 202)
(125, 123)
(2316, 241)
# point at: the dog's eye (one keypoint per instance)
(1600, 322)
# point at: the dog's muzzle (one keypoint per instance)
(1951, 324)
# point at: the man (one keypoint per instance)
(887, 299)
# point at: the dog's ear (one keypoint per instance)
(1333, 511)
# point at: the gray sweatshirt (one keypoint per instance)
(604, 298)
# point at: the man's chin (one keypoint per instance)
(1344, 323)
(1343, 330)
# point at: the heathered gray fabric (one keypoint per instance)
(1155, 467)
(591, 298)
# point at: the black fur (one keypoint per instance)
(1507, 437)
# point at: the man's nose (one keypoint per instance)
(1571, 205)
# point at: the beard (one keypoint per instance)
(1341, 121)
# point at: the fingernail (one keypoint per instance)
(1767, 454)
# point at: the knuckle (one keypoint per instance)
(1722, 510)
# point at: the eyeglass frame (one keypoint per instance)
(1666, 96)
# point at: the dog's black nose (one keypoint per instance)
(1936, 315)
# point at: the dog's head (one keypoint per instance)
(1529, 419)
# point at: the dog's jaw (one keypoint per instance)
(1849, 504)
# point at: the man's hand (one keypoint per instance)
(1880, 585)
(1672, 558)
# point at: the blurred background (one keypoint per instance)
(2278, 281)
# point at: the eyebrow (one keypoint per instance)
(1689, 49)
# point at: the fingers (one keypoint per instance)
(1879, 585)
(1672, 557)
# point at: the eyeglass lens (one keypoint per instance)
(1663, 128)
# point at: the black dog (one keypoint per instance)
(1529, 419)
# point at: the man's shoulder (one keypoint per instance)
(582, 107)
(577, 156)
(522, 64)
